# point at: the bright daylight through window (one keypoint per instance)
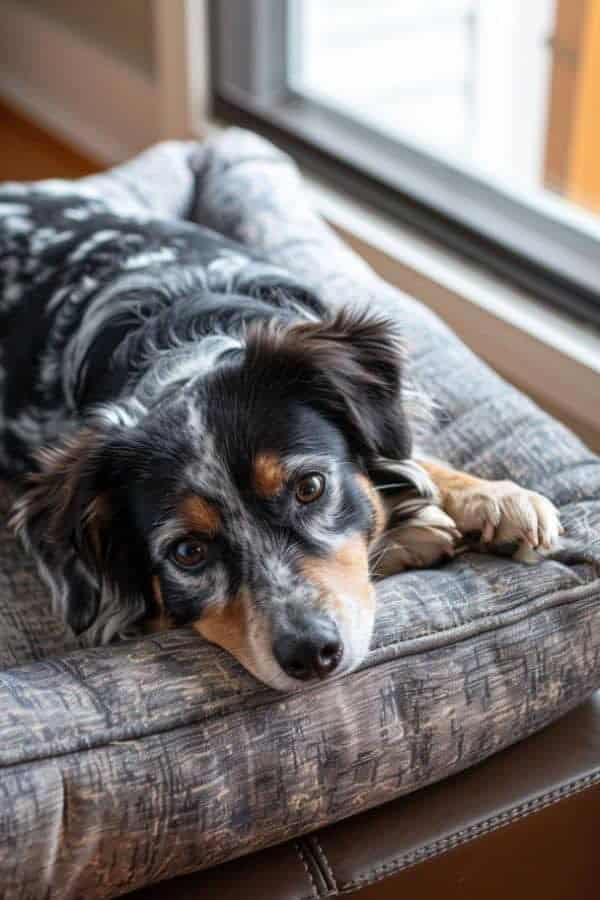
(474, 120)
(488, 84)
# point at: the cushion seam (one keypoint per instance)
(584, 589)
(478, 829)
(315, 893)
(560, 597)
(321, 858)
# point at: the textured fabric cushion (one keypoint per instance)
(120, 766)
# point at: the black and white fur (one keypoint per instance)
(154, 374)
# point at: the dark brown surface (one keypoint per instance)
(550, 855)
(523, 824)
(281, 873)
(29, 152)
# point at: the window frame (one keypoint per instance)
(554, 256)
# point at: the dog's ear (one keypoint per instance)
(73, 520)
(349, 366)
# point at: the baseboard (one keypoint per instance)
(70, 86)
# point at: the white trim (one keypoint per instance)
(197, 64)
(73, 87)
(182, 65)
(511, 84)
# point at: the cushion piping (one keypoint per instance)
(561, 598)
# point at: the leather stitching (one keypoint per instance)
(322, 857)
(314, 895)
(443, 845)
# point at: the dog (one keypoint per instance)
(200, 442)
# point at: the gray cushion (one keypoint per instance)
(120, 766)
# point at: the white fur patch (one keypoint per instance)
(13, 209)
(164, 255)
(127, 414)
(96, 240)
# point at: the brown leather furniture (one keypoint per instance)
(523, 824)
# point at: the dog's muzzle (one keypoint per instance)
(312, 648)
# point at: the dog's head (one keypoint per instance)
(241, 503)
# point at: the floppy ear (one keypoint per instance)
(349, 366)
(73, 521)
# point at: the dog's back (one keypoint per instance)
(90, 299)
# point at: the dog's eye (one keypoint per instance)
(189, 553)
(310, 487)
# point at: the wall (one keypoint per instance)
(123, 27)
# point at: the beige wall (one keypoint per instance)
(123, 27)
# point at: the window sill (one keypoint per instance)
(551, 356)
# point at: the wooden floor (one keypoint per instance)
(28, 152)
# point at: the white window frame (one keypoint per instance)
(537, 241)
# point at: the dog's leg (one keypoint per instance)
(415, 531)
(414, 539)
(500, 512)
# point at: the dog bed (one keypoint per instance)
(124, 765)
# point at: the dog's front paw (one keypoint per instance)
(503, 513)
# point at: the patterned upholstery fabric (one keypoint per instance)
(124, 765)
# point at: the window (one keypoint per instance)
(474, 120)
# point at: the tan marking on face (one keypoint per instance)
(379, 513)
(342, 576)
(225, 624)
(237, 627)
(269, 475)
(161, 621)
(200, 515)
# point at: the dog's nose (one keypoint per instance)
(315, 653)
